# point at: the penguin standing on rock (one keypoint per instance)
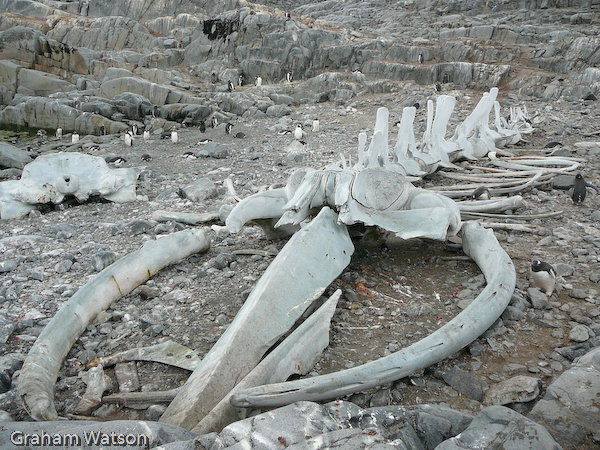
(289, 77)
(230, 86)
(421, 59)
(214, 122)
(102, 130)
(258, 81)
(228, 128)
(544, 276)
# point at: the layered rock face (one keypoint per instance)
(69, 64)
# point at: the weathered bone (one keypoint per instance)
(297, 354)
(312, 258)
(479, 244)
(39, 372)
(51, 177)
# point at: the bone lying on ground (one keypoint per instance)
(297, 354)
(97, 383)
(312, 258)
(184, 217)
(39, 372)
(479, 244)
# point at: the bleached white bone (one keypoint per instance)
(40, 369)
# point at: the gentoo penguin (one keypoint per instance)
(258, 81)
(289, 77)
(437, 86)
(544, 276)
(202, 126)
(298, 132)
(214, 122)
(117, 160)
(579, 189)
(134, 129)
(155, 111)
(174, 137)
(189, 155)
(74, 138)
(240, 79)
(128, 138)
(230, 86)
(165, 135)
(416, 105)
(102, 130)
(316, 126)
(146, 157)
(228, 128)
(421, 59)
(481, 192)
(446, 78)
(288, 16)
(59, 133)
(213, 78)
(146, 135)
(204, 141)
(41, 133)
(284, 132)
(94, 148)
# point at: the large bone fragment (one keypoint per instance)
(306, 265)
(479, 244)
(39, 372)
(295, 355)
(265, 205)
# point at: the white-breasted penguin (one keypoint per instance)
(230, 86)
(41, 133)
(258, 81)
(174, 137)
(59, 133)
(421, 59)
(289, 77)
(544, 276)
(74, 138)
(128, 138)
(134, 129)
(240, 79)
(298, 132)
(146, 135)
(214, 122)
(316, 126)
(102, 130)
(228, 128)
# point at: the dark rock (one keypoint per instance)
(467, 384)
(538, 299)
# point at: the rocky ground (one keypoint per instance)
(395, 292)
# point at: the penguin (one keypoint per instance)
(146, 157)
(214, 122)
(579, 189)
(117, 160)
(189, 155)
(59, 133)
(128, 139)
(134, 129)
(421, 59)
(446, 78)
(155, 111)
(94, 148)
(74, 138)
(289, 77)
(228, 128)
(102, 130)
(258, 81)
(213, 78)
(230, 86)
(165, 135)
(240, 135)
(240, 79)
(316, 126)
(174, 137)
(288, 15)
(284, 132)
(41, 133)
(553, 144)
(544, 276)
(146, 135)
(416, 105)
(481, 192)
(298, 132)
(204, 141)
(202, 126)
(438, 87)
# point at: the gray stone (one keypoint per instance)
(139, 226)
(565, 270)
(538, 299)
(519, 389)
(513, 314)
(214, 150)
(563, 182)
(101, 260)
(154, 412)
(200, 190)
(501, 428)
(34, 82)
(63, 266)
(8, 266)
(579, 333)
(569, 412)
(278, 111)
(12, 157)
(578, 293)
(467, 384)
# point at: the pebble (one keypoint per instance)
(579, 333)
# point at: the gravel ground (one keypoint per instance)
(395, 292)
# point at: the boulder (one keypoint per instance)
(12, 157)
(503, 429)
(34, 82)
(569, 409)
(186, 113)
(518, 389)
(155, 93)
(20, 43)
(8, 80)
(199, 190)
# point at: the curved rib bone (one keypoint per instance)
(479, 244)
(39, 372)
